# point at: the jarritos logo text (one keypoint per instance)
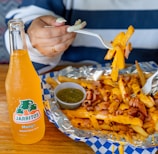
(26, 112)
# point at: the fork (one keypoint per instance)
(146, 89)
(105, 43)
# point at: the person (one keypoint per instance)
(51, 46)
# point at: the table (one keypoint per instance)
(54, 142)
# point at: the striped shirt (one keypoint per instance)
(105, 17)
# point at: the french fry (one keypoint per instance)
(124, 120)
(140, 73)
(149, 127)
(52, 82)
(114, 73)
(140, 130)
(118, 39)
(134, 80)
(115, 92)
(108, 81)
(66, 79)
(113, 106)
(82, 123)
(94, 122)
(148, 124)
(128, 50)
(128, 34)
(154, 116)
(124, 106)
(110, 54)
(123, 90)
(85, 83)
(82, 113)
(151, 130)
(136, 88)
(147, 100)
(119, 61)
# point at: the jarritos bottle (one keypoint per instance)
(23, 90)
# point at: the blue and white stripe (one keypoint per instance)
(105, 17)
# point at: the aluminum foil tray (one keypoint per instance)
(98, 142)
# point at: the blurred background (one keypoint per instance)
(5, 6)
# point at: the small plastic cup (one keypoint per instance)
(67, 105)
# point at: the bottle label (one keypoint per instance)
(27, 112)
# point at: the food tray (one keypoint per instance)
(100, 144)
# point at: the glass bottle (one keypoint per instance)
(23, 89)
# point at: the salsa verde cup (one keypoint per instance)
(67, 85)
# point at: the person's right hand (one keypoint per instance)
(49, 41)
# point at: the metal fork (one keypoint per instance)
(146, 89)
(105, 43)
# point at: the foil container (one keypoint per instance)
(56, 116)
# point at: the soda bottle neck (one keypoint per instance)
(16, 35)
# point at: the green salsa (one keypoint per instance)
(70, 95)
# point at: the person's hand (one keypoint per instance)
(49, 41)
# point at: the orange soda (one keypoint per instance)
(23, 90)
